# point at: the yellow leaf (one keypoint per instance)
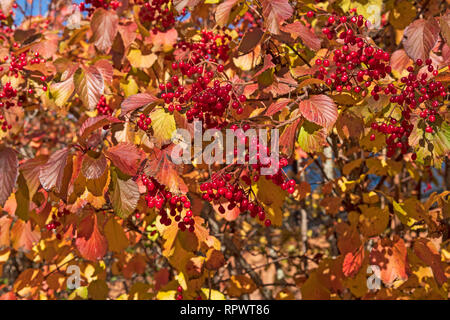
(139, 60)
(215, 295)
(163, 124)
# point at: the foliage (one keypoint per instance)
(89, 103)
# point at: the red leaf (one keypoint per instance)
(287, 138)
(353, 262)
(89, 84)
(106, 69)
(136, 101)
(104, 25)
(30, 170)
(420, 37)
(92, 124)
(125, 156)
(223, 11)
(92, 246)
(390, 256)
(275, 12)
(400, 60)
(298, 29)
(165, 172)
(319, 109)
(8, 172)
(428, 253)
(52, 173)
(93, 168)
(277, 106)
(267, 64)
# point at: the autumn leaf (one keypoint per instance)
(429, 254)
(275, 12)
(164, 171)
(23, 235)
(163, 125)
(117, 240)
(125, 196)
(92, 124)
(51, 174)
(299, 30)
(319, 109)
(125, 156)
(390, 256)
(223, 11)
(94, 167)
(9, 172)
(104, 25)
(420, 37)
(250, 39)
(89, 84)
(93, 245)
(137, 101)
(353, 262)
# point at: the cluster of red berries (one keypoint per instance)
(221, 188)
(105, 4)
(103, 107)
(211, 47)
(7, 94)
(54, 223)
(416, 92)
(204, 100)
(17, 63)
(157, 15)
(144, 121)
(357, 64)
(159, 197)
(5, 125)
(4, 23)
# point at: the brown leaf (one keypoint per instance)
(52, 173)
(9, 171)
(136, 101)
(250, 39)
(117, 240)
(22, 236)
(92, 124)
(420, 37)
(104, 25)
(319, 109)
(125, 156)
(223, 11)
(89, 84)
(125, 196)
(93, 168)
(429, 254)
(30, 170)
(299, 30)
(275, 12)
(444, 22)
(400, 60)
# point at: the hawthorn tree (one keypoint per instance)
(91, 95)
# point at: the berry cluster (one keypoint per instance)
(105, 4)
(157, 15)
(356, 65)
(211, 47)
(103, 107)
(204, 100)
(159, 197)
(17, 63)
(417, 92)
(54, 223)
(221, 188)
(144, 121)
